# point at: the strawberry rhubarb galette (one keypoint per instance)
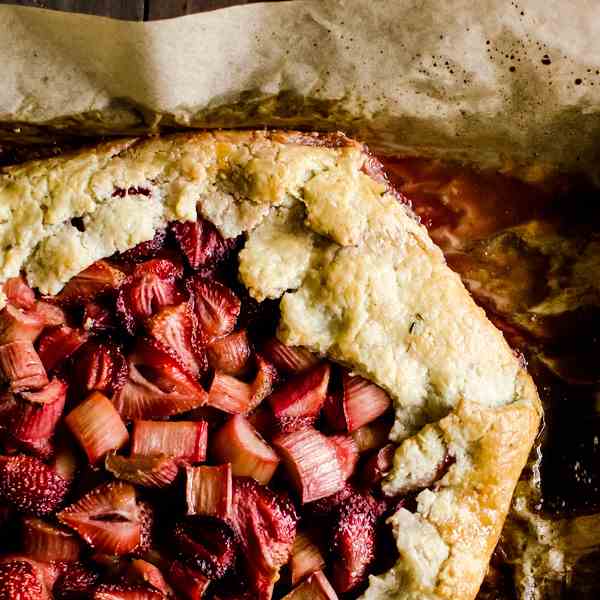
(235, 366)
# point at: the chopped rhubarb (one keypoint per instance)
(208, 491)
(49, 314)
(97, 279)
(97, 426)
(216, 307)
(297, 402)
(306, 558)
(101, 367)
(347, 453)
(59, 343)
(311, 461)
(289, 359)
(363, 401)
(238, 443)
(231, 354)
(46, 542)
(201, 243)
(107, 518)
(378, 465)
(17, 325)
(316, 587)
(190, 583)
(146, 471)
(18, 293)
(145, 573)
(261, 419)
(183, 440)
(65, 460)
(157, 386)
(111, 591)
(173, 327)
(21, 367)
(371, 436)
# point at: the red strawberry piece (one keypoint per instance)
(145, 250)
(46, 542)
(266, 527)
(183, 440)
(315, 587)
(151, 287)
(173, 327)
(97, 426)
(378, 465)
(230, 354)
(107, 518)
(347, 453)
(30, 485)
(190, 583)
(97, 279)
(201, 243)
(18, 293)
(59, 343)
(306, 558)
(142, 572)
(371, 436)
(208, 491)
(311, 461)
(238, 443)
(206, 545)
(17, 325)
(111, 591)
(76, 581)
(289, 359)
(21, 367)
(97, 318)
(297, 402)
(22, 580)
(216, 307)
(157, 386)
(146, 471)
(147, 527)
(101, 367)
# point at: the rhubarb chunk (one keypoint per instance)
(146, 471)
(230, 355)
(316, 587)
(18, 293)
(190, 583)
(289, 359)
(21, 367)
(183, 440)
(46, 542)
(306, 558)
(208, 491)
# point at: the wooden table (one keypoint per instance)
(133, 10)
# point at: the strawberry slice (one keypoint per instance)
(305, 559)
(142, 572)
(201, 243)
(173, 327)
(297, 402)
(146, 471)
(111, 591)
(238, 443)
(190, 583)
(107, 518)
(97, 426)
(266, 527)
(59, 343)
(183, 440)
(157, 385)
(46, 542)
(101, 367)
(147, 525)
(347, 453)
(151, 287)
(145, 250)
(371, 436)
(316, 587)
(216, 307)
(30, 485)
(312, 463)
(97, 318)
(22, 579)
(230, 354)
(208, 491)
(75, 582)
(289, 359)
(18, 293)
(21, 367)
(97, 279)
(206, 545)
(378, 465)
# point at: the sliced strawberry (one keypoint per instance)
(183, 440)
(101, 367)
(107, 518)
(190, 583)
(371, 436)
(147, 524)
(157, 385)
(54, 390)
(59, 343)
(151, 287)
(146, 471)
(75, 582)
(266, 527)
(289, 359)
(111, 591)
(208, 491)
(142, 572)
(378, 465)
(315, 587)
(312, 463)
(201, 243)
(30, 485)
(206, 545)
(238, 443)
(18, 293)
(22, 580)
(97, 279)
(145, 250)
(363, 401)
(347, 453)
(97, 318)
(173, 327)
(216, 307)
(297, 402)
(306, 558)
(230, 354)
(97, 426)
(21, 367)
(17, 325)
(46, 542)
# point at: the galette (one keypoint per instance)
(235, 366)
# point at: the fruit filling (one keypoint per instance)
(157, 441)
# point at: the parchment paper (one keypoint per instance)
(490, 81)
